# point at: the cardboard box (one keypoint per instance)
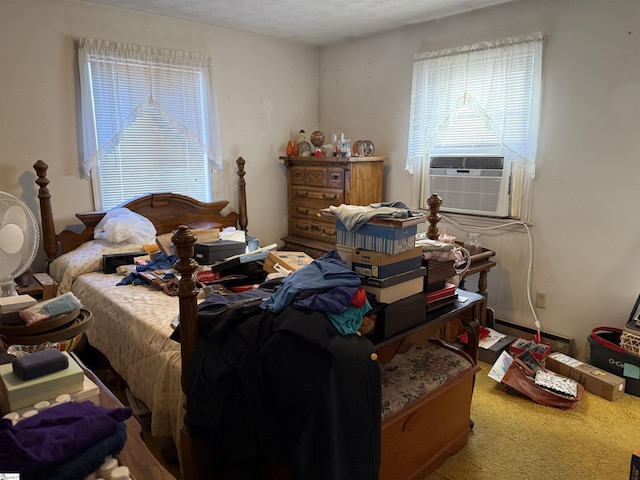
(289, 261)
(397, 292)
(369, 257)
(16, 393)
(386, 271)
(395, 279)
(491, 354)
(16, 303)
(202, 235)
(90, 392)
(594, 380)
(378, 238)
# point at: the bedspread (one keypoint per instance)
(131, 326)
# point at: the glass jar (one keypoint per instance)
(472, 245)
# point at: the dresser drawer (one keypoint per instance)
(316, 229)
(318, 176)
(320, 197)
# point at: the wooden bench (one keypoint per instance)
(426, 404)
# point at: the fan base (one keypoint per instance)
(8, 289)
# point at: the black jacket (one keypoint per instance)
(284, 388)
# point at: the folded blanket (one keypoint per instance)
(55, 435)
(354, 216)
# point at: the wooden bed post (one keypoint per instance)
(242, 186)
(192, 456)
(49, 243)
(434, 202)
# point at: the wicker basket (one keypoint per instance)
(630, 342)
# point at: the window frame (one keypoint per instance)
(434, 107)
(147, 89)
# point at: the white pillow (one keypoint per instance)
(86, 258)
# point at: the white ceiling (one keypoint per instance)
(318, 22)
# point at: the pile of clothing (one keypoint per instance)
(67, 441)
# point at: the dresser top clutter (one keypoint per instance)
(315, 183)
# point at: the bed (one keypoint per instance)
(131, 325)
(155, 368)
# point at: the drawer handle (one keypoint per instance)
(335, 177)
(303, 227)
(328, 233)
(315, 228)
(326, 196)
(408, 424)
(303, 194)
(302, 211)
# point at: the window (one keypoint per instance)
(480, 100)
(149, 122)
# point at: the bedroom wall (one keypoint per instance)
(267, 90)
(585, 231)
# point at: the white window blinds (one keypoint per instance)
(150, 122)
(482, 99)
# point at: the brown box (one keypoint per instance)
(49, 286)
(594, 380)
(290, 261)
(202, 235)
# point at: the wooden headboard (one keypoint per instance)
(164, 210)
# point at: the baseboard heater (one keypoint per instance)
(558, 343)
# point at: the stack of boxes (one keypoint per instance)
(385, 256)
(20, 396)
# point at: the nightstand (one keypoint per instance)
(39, 285)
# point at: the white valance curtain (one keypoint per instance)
(498, 82)
(145, 92)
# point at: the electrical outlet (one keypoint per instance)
(541, 300)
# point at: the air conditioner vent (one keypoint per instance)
(484, 163)
(447, 162)
(471, 184)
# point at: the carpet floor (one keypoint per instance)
(514, 437)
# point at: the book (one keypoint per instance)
(448, 290)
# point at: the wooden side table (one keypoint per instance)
(481, 263)
(39, 285)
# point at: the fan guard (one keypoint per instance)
(19, 241)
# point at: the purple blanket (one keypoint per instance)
(55, 435)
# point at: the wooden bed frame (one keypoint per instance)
(163, 210)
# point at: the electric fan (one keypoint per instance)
(19, 241)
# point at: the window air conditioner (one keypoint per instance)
(476, 185)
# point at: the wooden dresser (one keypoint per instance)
(319, 182)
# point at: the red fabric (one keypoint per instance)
(359, 298)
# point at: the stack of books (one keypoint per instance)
(439, 272)
(441, 297)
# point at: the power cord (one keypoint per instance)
(468, 228)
